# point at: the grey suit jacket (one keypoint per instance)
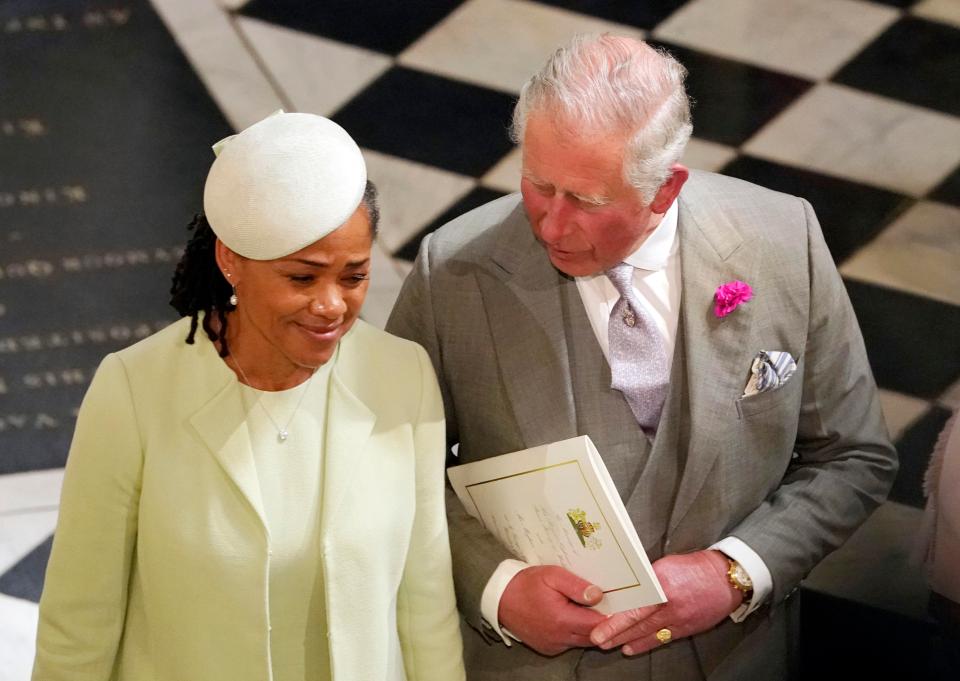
(790, 472)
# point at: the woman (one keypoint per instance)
(263, 500)
(940, 546)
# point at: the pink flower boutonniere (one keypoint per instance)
(730, 295)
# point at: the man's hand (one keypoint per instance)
(544, 606)
(699, 596)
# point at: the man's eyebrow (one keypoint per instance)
(526, 174)
(598, 200)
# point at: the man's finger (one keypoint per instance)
(612, 629)
(643, 635)
(648, 642)
(575, 588)
(578, 641)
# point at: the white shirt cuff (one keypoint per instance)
(493, 591)
(756, 569)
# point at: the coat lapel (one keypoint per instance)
(348, 427)
(522, 299)
(221, 426)
(717, 350)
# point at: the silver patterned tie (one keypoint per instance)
(638, 354)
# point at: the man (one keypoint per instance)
(738, 476)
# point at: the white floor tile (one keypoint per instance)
(316, 75)
(500, 43)
(900, 411)
(230, 73)
(411, 195)
(403, 267)
(843, 132)
(946, 11)
(875, 566)
(951, 397)
(385, 282)
(21, 533)
(704, 155)
(928, 233)
(505, 176)
(31, 490)
(807, 38)
(18, 633)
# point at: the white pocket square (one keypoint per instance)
(769, 371)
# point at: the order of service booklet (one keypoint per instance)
(557, 505)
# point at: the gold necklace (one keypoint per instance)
(282, 433)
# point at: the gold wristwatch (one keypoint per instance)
(739, 579)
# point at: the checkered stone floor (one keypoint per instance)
(852, 104)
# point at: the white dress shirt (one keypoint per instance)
(656, 281)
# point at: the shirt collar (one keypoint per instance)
(659, 246)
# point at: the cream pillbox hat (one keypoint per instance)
(282, 184)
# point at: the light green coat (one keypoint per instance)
(161, 561)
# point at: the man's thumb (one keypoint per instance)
(576, 589)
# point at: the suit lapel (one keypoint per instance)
(348, 427)
(522, 299)
(717, 350)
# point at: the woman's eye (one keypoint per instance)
(301, 278)
(358, 277)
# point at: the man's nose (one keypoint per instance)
(556, 218)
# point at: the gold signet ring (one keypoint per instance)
(664, 636)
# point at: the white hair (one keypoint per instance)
(609, 84)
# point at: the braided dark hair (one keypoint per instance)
(199, 286)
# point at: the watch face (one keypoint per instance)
(741, 575)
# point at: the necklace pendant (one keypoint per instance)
(629, 319)
(283, 435)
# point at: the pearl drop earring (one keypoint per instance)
(233, 300)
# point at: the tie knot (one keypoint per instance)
(622, 277)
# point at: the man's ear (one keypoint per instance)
(670, 189)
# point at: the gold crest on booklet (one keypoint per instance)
(586, 531)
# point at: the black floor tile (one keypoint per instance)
(732, 100)
(646, 14)
(388, 26)
(911, 341)
(25, 579)
(115, 177)
(432, 120)
(914, 60)
(476, 197)
(850, 214)
(949, 189)
(842, 640)
(915, 447)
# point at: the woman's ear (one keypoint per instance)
(227, 261)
